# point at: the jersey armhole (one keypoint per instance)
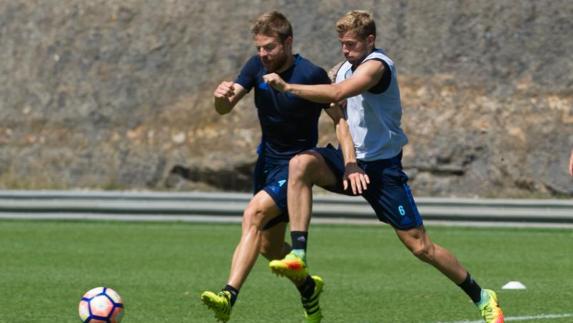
(332, 75)
(333, 72)
(384, 82)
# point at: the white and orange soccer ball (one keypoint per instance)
(101, 305)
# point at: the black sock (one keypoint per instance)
(471, 288)
(307, 287)
(299, 239)
(234, 293)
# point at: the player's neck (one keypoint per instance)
(288, 63)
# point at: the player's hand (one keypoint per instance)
(356, 178)
(339, 104)
(225, 90)
(275, 81)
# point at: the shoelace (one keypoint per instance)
(227, 306)
(489, 311)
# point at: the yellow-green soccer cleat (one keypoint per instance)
(490, 310)
(312, 313)
(219, 303)
(291, 266)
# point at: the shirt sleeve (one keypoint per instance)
(322, 77)
(248, 76)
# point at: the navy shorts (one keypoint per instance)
(271, 175)
(388, 192)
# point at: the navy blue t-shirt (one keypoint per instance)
(289, 123)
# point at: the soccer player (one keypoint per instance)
(289, 126)
(368, 83)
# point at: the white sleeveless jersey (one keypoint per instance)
(374, 119)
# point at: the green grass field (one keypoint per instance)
(160, 270)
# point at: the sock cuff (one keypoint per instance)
(234, 293)
(484, 298)
(231, 290)
(467, 280)
(299, 239)
(471, 288)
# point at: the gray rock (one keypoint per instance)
(115, 95)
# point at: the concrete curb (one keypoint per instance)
(205, 206)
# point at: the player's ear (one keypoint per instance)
(288, 42)
(370, 40)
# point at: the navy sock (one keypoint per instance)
(307, 287)
(234, 293)
(299, 239)
(471, 288)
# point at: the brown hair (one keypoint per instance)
(357, 21)
(273, 24)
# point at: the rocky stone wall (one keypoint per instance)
(106, 94)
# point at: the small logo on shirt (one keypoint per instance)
(282, 182)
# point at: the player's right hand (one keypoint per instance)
(355, 177)
(225, 90)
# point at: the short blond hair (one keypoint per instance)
(272, 24)
(357, 21)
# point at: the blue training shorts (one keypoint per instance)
(388, 192)
(271, 175)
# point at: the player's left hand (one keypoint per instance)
(339, 104)
(355, 176)
(274, 80)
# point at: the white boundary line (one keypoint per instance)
(524, 318)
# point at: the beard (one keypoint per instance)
(276, 64)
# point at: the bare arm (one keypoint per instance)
(353, 174)
(226, 96)
(365, 77)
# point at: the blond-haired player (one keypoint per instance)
(368, 82)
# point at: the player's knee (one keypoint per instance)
(253, 217)
(424, 252)
(300, 166)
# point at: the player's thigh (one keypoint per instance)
(314, 166)
(261, 209)
(390, 197)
